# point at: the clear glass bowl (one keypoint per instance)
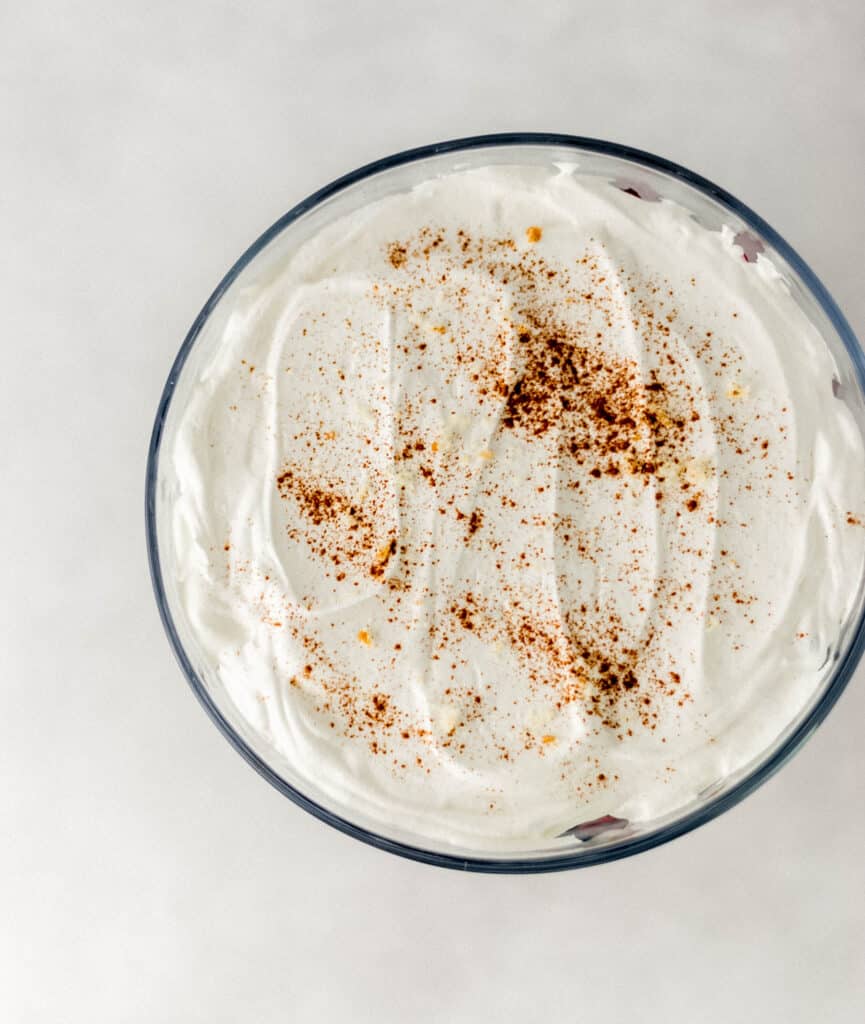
(650, 178)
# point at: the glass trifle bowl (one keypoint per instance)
(505, 503)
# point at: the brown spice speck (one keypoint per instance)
(397, 254)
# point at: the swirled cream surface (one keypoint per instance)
(511, 501)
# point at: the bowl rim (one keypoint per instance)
(588, 854)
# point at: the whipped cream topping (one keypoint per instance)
(509, 501)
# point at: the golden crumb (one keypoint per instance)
(486, 454)
(534, 233)
(548, 739)
(365, 638)
(384, 553)
(330, 435)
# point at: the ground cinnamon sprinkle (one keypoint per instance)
(343, 530)
(547, 380)
(397, 255)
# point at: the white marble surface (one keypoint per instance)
(146, 873)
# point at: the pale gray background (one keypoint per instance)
(146, 873)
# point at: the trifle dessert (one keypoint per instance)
(513, 505)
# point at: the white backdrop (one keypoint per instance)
(146, 873)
